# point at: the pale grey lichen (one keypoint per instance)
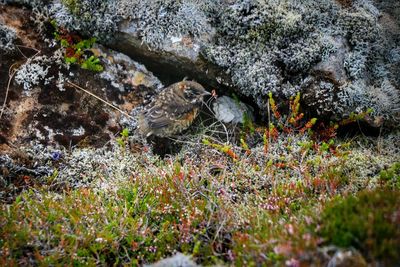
(40, 17)
(157, 21)
(7, 39)
(355, 64)
(383, 99)
(371, 156)
(61, 81)
(32, 73)
(101, 169)
(93, 18)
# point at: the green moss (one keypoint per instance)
(367, 221)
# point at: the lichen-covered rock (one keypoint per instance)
(49, 100)
(332, 66)
(260, 47)
(122, 71)
(263, 53)
(264, 46)
(94, 18)
(347, 258)
(178, 260)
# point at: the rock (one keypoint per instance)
(254, 48)
(320, 90)
(18, 174)
(332, 256)
(43, 105)
(332, 67)
(178, 260)
(229, 110)
(122, 71)
(345, 258)
(332, 93)
(181, 59)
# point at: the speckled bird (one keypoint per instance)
(173, 110)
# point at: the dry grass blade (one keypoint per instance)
(11, 73)
(100, 99)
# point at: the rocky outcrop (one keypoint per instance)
(332, 51)
(44, 100)
(334, 54)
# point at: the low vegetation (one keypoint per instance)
(368, 221)
(277, 196)
(77, 50)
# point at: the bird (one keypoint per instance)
(173, 110)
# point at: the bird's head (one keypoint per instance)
(193, 92)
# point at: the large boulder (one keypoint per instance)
(49, 101)
(342, 55)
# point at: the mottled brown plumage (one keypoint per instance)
(173, 110)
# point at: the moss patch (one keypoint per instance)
(368, 221)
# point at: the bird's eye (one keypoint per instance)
(190, 94)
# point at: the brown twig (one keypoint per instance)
(28, 47)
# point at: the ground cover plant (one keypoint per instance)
(279, 195)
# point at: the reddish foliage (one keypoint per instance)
(70, 52)
(325, 133)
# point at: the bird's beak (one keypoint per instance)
(206, 93)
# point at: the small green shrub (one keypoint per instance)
(391, 176)
(75, 48)
(368, 221)
(123, 140)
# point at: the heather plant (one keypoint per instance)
(391, 176)
(123, 139)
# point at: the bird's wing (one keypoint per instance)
(158, 116)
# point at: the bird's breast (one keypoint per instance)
(190, 116)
